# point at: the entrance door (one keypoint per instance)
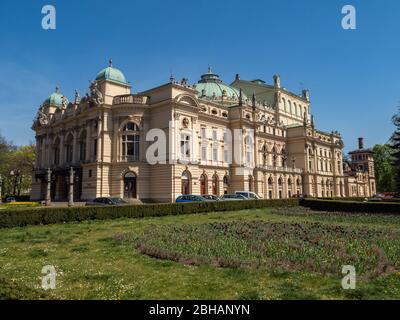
(130, 185)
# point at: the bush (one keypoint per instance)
(33, 216)
(351, 206)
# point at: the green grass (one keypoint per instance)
(99, 260)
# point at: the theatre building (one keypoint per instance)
(98, 144)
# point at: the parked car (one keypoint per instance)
(375, 198)
(233, 197)
(10, 199)
(248, 195)
(189, 198)
(210, 197)
(106, 201)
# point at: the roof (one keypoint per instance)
(55, 99)
(210, 85)
(112, 74)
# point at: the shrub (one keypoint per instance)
(33, 216)
(351, 206)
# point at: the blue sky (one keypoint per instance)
(353, 75)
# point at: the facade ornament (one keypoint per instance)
(184, 82)
(185, 123)
(64, 102)
(77, 97)
(42, 119)
(95, 95)
(176, 116)
(277, 81)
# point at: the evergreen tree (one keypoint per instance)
(395, 143)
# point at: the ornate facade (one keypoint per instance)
(99, 144)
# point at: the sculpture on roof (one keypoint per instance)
(42, 118)
(77, 97)
(96, 96)
(64, 101)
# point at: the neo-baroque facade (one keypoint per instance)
(98, 143)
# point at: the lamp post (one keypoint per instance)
(48, 191)
(71, 181)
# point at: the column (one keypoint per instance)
(48, 191)
(71, 188)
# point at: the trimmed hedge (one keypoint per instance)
(351, 206)
(33, 216)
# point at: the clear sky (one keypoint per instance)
(353, 75)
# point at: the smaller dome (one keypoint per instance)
(112, 74)
(55, 99)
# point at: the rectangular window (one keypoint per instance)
(203, 133)
(185, 145)
(214, 135)
(215, 153)
(226, 155)
(204, 152)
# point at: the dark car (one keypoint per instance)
(106, 201)
(233, 197)
(189, 198)
(10, 199)
(210, 197)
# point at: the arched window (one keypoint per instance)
(186, 182)
(280, 182)
(249, 150)
(215, 185)
(56, 152)
(130, 183)
(82, 146)
(226, 184)
(289, 109)
(203, 184)
(264, 155)
(284, 104)
(130, 142)
(295, 111)
(69, 149)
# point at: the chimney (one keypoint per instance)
(360, 143)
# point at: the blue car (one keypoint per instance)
(189, 198)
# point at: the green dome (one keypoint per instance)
(55, 99)
(111, 74)
(210, 85)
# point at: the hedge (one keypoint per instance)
(351, 206)
(34, 216)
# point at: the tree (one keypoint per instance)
(16, 165)
(384, 171)
(395, 144)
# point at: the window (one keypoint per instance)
(82, 146)
(56, 152)
(214, 135)
(204, 152)
(215, 152)
(69, 148)
(130, 142)
(185, 145)
(203, 133)
(248, 142)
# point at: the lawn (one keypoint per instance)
(272, 253)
